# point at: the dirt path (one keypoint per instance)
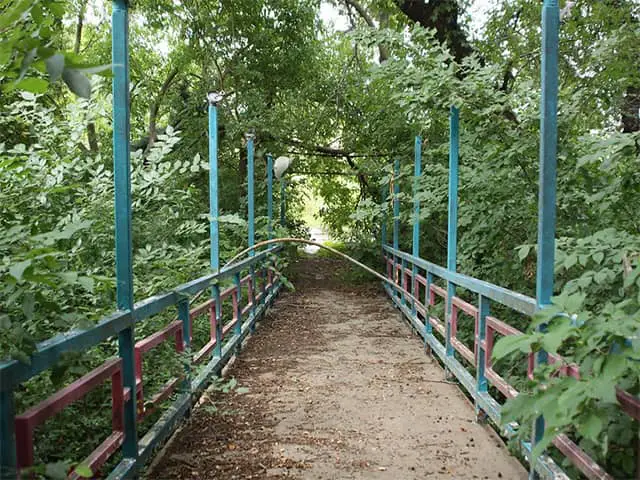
(339, 388)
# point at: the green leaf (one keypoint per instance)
(57, 470)
(33, 85)
(570, 261)
(591, 427)
(600, 277)
(523, 252)
(28, 305)
(83, 471)
(11, 15)
(512, 343)
(17, 269)
(87, 283)
(598, 257)
(556, 335)
(55, 66)
(69, 277)
(77, 82)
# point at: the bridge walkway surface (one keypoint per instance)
(339, 387)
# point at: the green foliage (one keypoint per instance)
(593, 324)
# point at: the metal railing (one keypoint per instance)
(418, 278)
(126, 373)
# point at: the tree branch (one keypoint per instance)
(383, 51)
(154, 108)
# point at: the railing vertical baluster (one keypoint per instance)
(7, 435)
(428, 328)
(396, 219)
(238, 313)
(122, 181)
(484, 308)
(417, 171)
(452, 227)
(251, 286)
(270, 195)
(548, 166)
(217, 351)
(183, 315)
(214, 229)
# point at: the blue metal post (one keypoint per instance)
(251, 218)
(483, 312)
(122, 180)
(250, 191)
(417, 171)
(548, 164)
(452, 228)
(214, 228)
(396, 212)
(283, 202)
(270, 195)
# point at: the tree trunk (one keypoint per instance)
(631, 110)
(442, 15)
(154, 108)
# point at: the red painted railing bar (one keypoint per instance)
(38, 414)
(499, 326)
(580, 459)
(101, 454)
(466, 307)
(165, 392)
(630, 404)
(203, 307)
(160, 336)
(437, 290)
(500, 383)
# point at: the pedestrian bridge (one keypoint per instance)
(337, 381)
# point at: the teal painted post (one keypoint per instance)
(417, 171)
(250, 191)
(7, 435)
(452, 227)
(214, 228)
(396, 213)
(283, 202)
(484, 309)
(270, 195)
(122, 180)
(548, 165)
(251, 220)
